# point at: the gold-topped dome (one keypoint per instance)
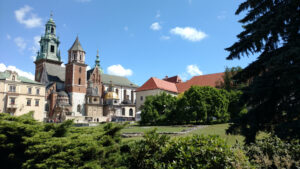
(111, 96)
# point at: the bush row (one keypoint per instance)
(204, 105)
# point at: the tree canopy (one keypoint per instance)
(272, 30)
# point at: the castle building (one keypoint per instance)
(20, 95)
(73, 92)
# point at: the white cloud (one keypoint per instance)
(20, 42)
(88, 68)
(157, 14)
(193, 70)
(189, 33)
(165, 37)
(8, 37)
(29, 75)
(222, 15)
(155, 26)
(31, 21)
(126, 28)
(119, 70)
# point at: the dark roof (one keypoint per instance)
(155, 83)
(76, 45)
(117, 80)
(56, 73)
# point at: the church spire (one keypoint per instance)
(97, 62)
(49, 43)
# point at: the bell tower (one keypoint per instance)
(75, 80)
(49, 52)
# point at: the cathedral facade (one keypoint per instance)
(73, 92)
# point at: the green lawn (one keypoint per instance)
(217, 129)
(142, 129)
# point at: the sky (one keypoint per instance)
(138, 39)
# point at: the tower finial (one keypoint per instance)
(51, 14)
(97, 62)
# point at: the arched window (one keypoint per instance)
(123, 111)
(52, 30)
(79, 81)
(80, 57)
(74, 56)
(78, 108)
(130, 112)
(13, 78)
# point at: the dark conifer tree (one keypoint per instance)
(272, 30)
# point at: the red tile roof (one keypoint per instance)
(174, 79)
(155, 83)
(202, 80)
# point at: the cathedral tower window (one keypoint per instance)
(79, 69)
(52, 30)
(13, 78)
(74, 56)
(78, 108)
(123, 111)
(42, 48)
(79, 81)
(80, 57)
(130, 112)
(52, 48)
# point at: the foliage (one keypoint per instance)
(26, 143)
(272, 152)
(203, 104)
(228, 82)
(272, 30)
(156, 108)
(157, 151)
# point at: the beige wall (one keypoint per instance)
(21, 96)
(144, 94)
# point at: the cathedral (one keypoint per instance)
(73, 92)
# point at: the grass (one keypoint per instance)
(142, 129)
(217, 129)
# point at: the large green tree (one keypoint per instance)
(272, 30)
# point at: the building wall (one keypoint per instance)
(73, 74)
(77, 99)
(21, 96)
(96, 112)
(141, 96)
(120, 90)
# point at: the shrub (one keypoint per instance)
(198, 151)
(272, 152)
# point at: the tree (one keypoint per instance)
(157, 108)
(228, 82)
(272, 30)
(204, 104)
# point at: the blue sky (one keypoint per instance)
(136, 38)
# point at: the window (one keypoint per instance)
(78, 108)
(37, 102)
(29, 90)
(12, 88)
(47, 107)
(142, 98)
(79, 69)
(52, 49)
(123, 111)
(80, 57)
(28, 102)
(37, 91)
(79, 81)
(13, 78)
(52, 30)
(130, 112)
(125, 94)
(42, 48)
(117, 91)
(12, 101)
